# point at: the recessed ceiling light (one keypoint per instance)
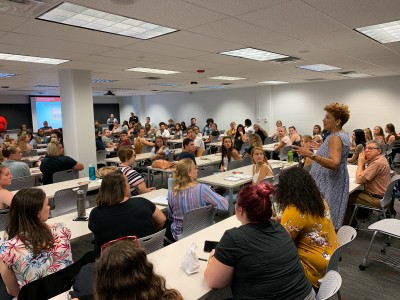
(103, 80)
(383, 33)
(32, 59)
(226, 78)
(254, 54)
(83, 17)
(7, 75)
(273, 82)
(318, 67)
(355, 75)
(155, 71)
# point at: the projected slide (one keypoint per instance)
(47, 109)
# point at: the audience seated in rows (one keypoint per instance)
(163, 132)
(117, 214)
(197, 141)
(124, 141)
(231, 131)
(240, 137)
(188, 150)
(141, 141)
(379, 135)
(160, 149)
(254, 141)
(56, 161)
(186, 194)
(261, 132)
(46, 128)
(359, 141)
(34, 249)
(283, 139)
(294, 136)
(306, 142)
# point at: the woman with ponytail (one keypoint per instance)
(258, 259)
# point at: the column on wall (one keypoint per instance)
(78, 116)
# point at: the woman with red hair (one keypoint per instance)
(258, 259)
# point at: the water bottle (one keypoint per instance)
(92, 172)
(170, 182)
(290, 157)
(81, 204)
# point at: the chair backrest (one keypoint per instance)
(307, 168)
(65, 175)
(234, 164)
(206, 152)
(3, 218)
(171, 155)
(101, 156)
(284, 154)
(146, 149)
(205, 171)
(22, 182)
(222, 131)
(268, 141)
(387, 198)
(54, 284)
(27, 153)
(197, 219)
(214, 138)
(244, 147)
(246, 161)
(345, 235)
(330, 285)
(152, 242)
(276, 172)
(64, 201)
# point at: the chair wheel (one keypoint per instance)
(361, 267)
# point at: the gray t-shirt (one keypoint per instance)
(17, 168)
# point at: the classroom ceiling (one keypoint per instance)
(314, 31)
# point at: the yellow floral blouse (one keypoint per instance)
(314, 237)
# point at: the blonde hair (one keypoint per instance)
(52, 148)
(181, 175)
(255, 140)
(261, 129)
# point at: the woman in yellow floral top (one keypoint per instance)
(306, 217)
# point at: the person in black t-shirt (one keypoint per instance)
(258, 259)
(119, 215)
(188, 150)
(56, 161)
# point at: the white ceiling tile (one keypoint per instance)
(294, 18)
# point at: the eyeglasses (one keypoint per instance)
(131, 237)
(371, 148)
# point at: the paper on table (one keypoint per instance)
(232, 178)
(161, 200)
(241, 176)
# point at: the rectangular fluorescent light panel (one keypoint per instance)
(80, 16)
(103, 80)
(32, 59)
(318, 68)
(254, 54)
(226, 78)
(356, 75)
(274, 82)
(155, 71)
(214, 87)
(383, 33)
(7, 75)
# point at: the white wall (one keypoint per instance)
(372, 102)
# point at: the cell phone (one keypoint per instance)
(209, 245)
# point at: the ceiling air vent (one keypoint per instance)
(152, 78)
(315, 79)
(286, 60)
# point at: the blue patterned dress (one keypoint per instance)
(334, 184)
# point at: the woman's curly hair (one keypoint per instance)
(339, 111)
(297, 187)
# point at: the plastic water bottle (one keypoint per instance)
(170, 182)
(81, 204)
(290, 157)
(92, 172)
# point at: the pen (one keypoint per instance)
(202, 259)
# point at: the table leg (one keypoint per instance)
(148, 177)
(231, 206)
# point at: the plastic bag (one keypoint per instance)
(190, 262)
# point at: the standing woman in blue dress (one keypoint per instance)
(329, 168)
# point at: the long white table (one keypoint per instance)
(51, 189)
(220, 178)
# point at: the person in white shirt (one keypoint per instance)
(163, 132)
(196, 130)
(198, 142)
(110, 121)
